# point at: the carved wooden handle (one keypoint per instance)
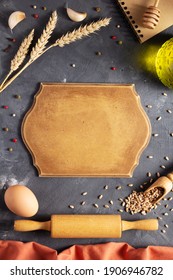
(29, 225)
(156, 3)
(151, 16)
(150, 224)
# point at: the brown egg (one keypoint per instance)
(21, 201)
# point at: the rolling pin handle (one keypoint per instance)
(29, 225)
(150, 224)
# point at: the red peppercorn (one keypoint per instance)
(113, 68)
(5, 129)
(113, 37)
(7, 49)
(36, 16)
(14, 140)
(5, 107)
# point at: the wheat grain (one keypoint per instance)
(106, 206)
(81, 32)
(83, 203)
(143, 201)
(22, 52)
(38, 49)
(84, 193)
(95, 205)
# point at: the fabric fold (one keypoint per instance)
(16, 250)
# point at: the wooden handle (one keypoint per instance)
(28, 225)
(170, 176)
(151, 16)
(150, 224)
(156, 3)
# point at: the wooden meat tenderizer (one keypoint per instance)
(86, 226)
(151, 16)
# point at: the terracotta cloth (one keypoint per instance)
(15, 250)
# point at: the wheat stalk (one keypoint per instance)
(44, 38)
(81, 32)
(40, 47)
(20, 55)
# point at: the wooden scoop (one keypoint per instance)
(151, 16)
(164, 183)
(85, 226)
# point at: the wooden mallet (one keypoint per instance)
(151, 16)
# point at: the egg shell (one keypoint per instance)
(21, 201)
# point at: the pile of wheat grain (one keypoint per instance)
(142, 202)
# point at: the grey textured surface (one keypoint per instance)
(55, 194)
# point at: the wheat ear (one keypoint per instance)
(36, 51)
(20, 55)
(81, 32)
(22, 52)
(43, 40)
(64, 40)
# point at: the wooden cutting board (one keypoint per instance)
(97, 130)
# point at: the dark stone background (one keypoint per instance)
(55, 194)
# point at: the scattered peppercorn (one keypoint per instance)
(113, 68)
(97, 9)
(7, 49)
(13, 115)
(113, 37)
(5, 129)
(17, 96)
(13, 40)
(118, 25)
(44, 8)
(34, 6)
(5, 107)
(10, 149)
(98, 53)
(36, 16)
(120, 42)
(14, 140)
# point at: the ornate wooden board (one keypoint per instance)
(89, 130)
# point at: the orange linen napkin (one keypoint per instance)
(15, 250)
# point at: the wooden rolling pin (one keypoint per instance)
(85, 226)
